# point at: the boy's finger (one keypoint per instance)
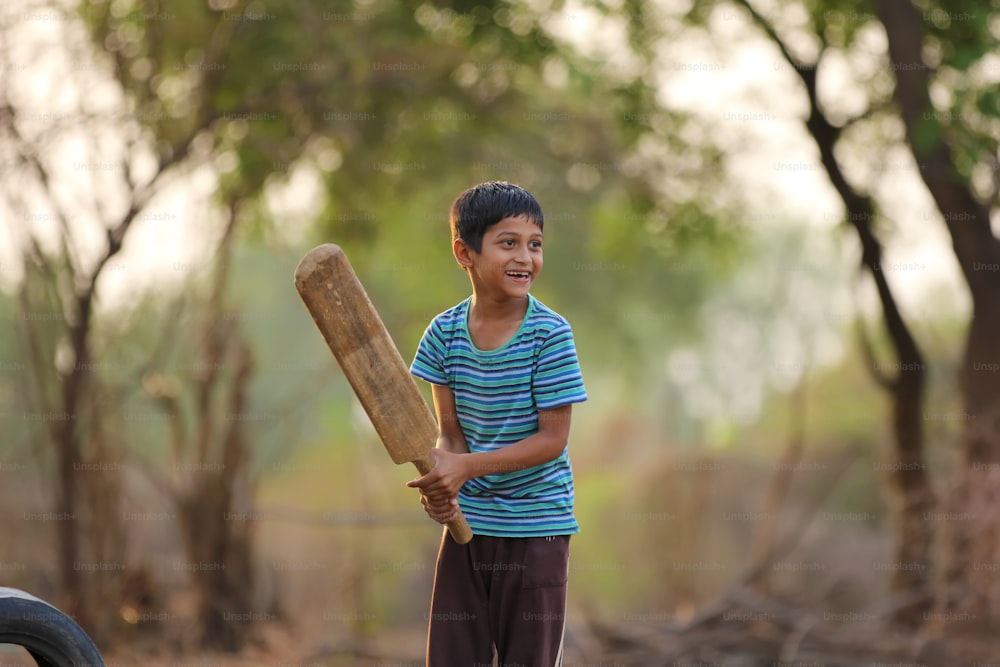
(418, 483)
(428, 480)
(428, 488)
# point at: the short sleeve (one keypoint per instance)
(558, 380)
(428, 364)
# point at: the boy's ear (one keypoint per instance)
(462, 252)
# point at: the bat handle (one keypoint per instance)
(458, 527)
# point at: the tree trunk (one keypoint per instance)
(972, 525)
(218, 523)
(69, 459)
(217, 544)
(67, 535)
(971, 588)
(911, 499)
(218, 536)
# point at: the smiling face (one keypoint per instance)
(510, 259)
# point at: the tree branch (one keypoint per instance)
(868, 352)
(805, 72)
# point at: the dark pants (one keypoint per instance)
(502, 593)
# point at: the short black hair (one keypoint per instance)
(480, 207)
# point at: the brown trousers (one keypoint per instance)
(502, 594)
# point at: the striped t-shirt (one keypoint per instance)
(498, 394)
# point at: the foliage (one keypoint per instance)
(394, 111)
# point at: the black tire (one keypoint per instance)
(51, 637)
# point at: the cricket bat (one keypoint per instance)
(366, 353)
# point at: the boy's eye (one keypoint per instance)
(536, 244)
(508, 242)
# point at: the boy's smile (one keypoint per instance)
(510, 259)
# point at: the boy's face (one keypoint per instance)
(510, 259)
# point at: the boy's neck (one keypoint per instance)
(489, 309)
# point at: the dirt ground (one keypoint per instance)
(271, 646)
(274, 646)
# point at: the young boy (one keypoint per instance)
(504, 376)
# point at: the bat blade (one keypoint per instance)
(356, 335)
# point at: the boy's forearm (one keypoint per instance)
(532, 451)
(452, 444)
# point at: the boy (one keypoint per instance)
(504, 375)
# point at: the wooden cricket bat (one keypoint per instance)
(358, 339)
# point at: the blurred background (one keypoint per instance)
(771, 224)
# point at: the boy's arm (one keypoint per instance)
(451, 438)
(443, 508)
(453, 469)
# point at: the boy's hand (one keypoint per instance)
(441, 511)
(445, 479)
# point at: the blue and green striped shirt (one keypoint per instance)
(498, 394)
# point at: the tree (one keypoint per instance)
(954, 143)
(50, 195)
(910, 493)
(60, 211)
(947, 47)
(209, 478)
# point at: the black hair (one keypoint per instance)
(480, 207)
